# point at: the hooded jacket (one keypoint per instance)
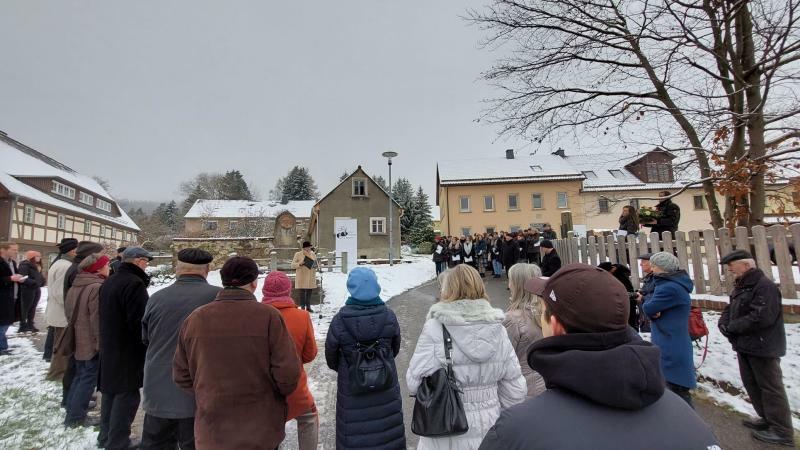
(85, 295)
(484, 362)
(604, 391)
(670, 330)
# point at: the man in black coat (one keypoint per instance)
(123, 298)
(30, 290)
(605, 389)
(669, 216)
(9, 290)
(753, 323)
(548, 232)
(509, 251)
(551, 262)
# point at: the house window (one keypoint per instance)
(104, 205)
(466, 231)
(634, 204)
(113, 233)
(63, 190)
(698, 202)
(61, 222)
(589, 174)
(538, 203)
(86, 199)
(359, 187)
(463, 203)
(616, 173)
(658, 173)
(87, 227)
(602, 205)
(102, 231)
(490, 230)
(232, 225)
(210, 225)
(488, 202)
(562, 200)
(30, 214)
(513, 202)
(377, 225)
(514, 228)
(536, 168)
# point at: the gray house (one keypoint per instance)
(354, 217)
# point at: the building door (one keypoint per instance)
(566, 223)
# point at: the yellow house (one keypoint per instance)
(509, 194)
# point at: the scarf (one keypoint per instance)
(354, 302)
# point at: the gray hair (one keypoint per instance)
(520, 298)
(750, 262)
(184, 268)
(89, 260)
(665, 261)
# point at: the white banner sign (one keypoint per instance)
(346, 232)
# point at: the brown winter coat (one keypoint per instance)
(299, 324)
(238, 359)
(305, 278)
(523, 331)
(85, 295)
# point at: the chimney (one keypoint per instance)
(510, 153)
(560, 152)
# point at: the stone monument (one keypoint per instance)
(285, 239)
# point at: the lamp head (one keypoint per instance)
(390, 155)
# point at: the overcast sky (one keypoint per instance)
(147, 94)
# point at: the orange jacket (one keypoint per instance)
(299, 324)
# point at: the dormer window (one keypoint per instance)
(589, 174)
(659, 172)
(104, 205)
(616, 173)
(536, 168)
(63, 190)
(86, 199)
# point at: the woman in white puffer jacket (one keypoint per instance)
(484, 362)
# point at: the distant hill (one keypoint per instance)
(148, 206)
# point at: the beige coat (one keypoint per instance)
(305, 278)
(523, 331)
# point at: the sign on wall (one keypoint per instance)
(345, 230)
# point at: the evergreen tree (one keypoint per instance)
(169, 215)
(380, 181)
(297, 185)
(422, 226)
(197, 193)
(403, 194)
(233, 187)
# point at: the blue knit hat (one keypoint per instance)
(362, 283)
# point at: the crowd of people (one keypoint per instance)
(220, 369)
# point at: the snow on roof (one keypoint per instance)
(538, 167)
(22, 161)
(246, 208)
(606, 171)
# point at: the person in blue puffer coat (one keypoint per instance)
(373, 420)
(668, 309)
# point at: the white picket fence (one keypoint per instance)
(699, 253)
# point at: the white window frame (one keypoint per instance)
(508, 199)
(104, 205)
(102, 230)
(377, 225)
(86, 199)
(61, 221)
(113, 233)
(461, 204)
(63, 190)
(565, 205)
(541, 200)
(207, 225)
(87, 227)
(353, 187)
(29, 215)
(600, 202)
(484, 203)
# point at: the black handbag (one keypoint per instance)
(438, 410)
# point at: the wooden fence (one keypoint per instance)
(699, 253)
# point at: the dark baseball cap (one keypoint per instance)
(585, 299)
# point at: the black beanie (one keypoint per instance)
(239, 271)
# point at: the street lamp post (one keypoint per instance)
(389, 156)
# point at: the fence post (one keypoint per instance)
(742, 241)
(576, 257)
(331, 261)
(795, 230)
(584, 256)
(655, 243)
(592, 244)
(683, 255)
(761, 244)
(622, 250)
(784, 260)
(725, 247)
(710, 244)
(633, 255)
(642, 243)
(697, 262)
(601, 249)
(611, 249)
(667, 238)
(344, 262)
(273, 261)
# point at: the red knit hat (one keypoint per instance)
(277, 285)
(99, 264)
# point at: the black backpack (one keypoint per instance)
(371, 367)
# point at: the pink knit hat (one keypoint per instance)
(276, 285)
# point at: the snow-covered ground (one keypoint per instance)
(719, 377)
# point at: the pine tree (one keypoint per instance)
(234, 187)
(297, 185)
(403, 194)
(421, 229)
(197, 193)
(380, 181)
(169, 215)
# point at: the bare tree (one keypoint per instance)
(715, 78)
